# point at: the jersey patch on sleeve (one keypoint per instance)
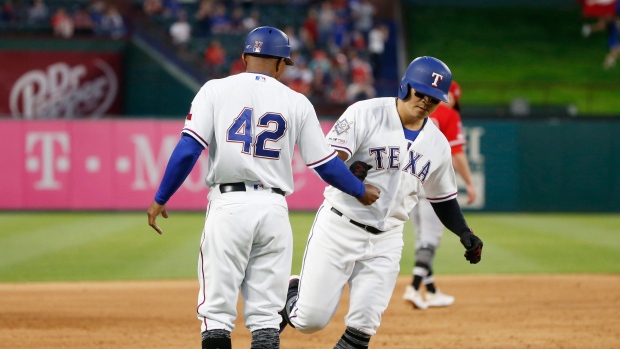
(189, 116)
(342, 126)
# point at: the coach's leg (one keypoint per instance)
(268, 270)
(266, 338)
(216, 339)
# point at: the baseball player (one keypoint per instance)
(362, 245)
(429, 228)
(251, 123)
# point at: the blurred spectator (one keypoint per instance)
(361, 74)
(311, 27)
(320, 85)
(320, 61)
(9, 14)
(359, 91)
(219, 20)
(326, 19)
(152, 7)
(363, 13)
(339, 34)
(252, 21)
(338, 94)
(82, 22)
(357, 41)
(306, 39)
(376, 45)
(62, 25)
(236, 21)
(180, 30)
(294, 42)
(37, 12)
(203, 18)
(112, 24)
(215, 57)
(97, 10)
(237, 66)
(170, 8)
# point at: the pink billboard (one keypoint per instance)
(109, 165)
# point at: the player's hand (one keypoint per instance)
(153, 212)
(360, 169)
(471, 193)
(473, 246)
(370, 196)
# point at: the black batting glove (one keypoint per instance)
(473, 246)
(360, 169)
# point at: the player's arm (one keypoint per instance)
(336, 174)
(461, 166)
(181, 163)
(449, 213)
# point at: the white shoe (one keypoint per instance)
(586, 30)
(415, 297)
(438, 299)
(609, 62)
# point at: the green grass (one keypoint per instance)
(500, 53)
(65, 246)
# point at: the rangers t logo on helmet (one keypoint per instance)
(437, 79)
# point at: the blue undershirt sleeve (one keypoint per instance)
(181, 162)
(336, 174)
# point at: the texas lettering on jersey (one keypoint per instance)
(387, 158)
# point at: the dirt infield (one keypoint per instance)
(550, 311)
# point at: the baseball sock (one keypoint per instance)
(420, 271)
(265, 338)
(353, 339)
(216, 339)
(429, 282)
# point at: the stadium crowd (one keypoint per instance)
(337, 45)
(65, 18)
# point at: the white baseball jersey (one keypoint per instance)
(371, 131)
(261, 118)
(339, 252)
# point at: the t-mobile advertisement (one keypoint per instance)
(109, 165)
(59, 84)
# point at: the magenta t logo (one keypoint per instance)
(53, 156)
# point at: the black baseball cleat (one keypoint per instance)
(291, 298)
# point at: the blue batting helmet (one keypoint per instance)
(429, 76)
(269, 41)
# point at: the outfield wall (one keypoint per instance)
(117, 165)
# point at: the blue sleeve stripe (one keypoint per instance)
(336, 174)
(322, 161)
(195, 135)
(179, 166)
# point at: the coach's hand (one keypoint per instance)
(153, 212)
(360, 169)
(473, 246)
(370, 196)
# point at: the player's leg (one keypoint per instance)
(371, 285)
(224, 253)
(428, 231)
(333, 246)
(268, 270)
(430, 238)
